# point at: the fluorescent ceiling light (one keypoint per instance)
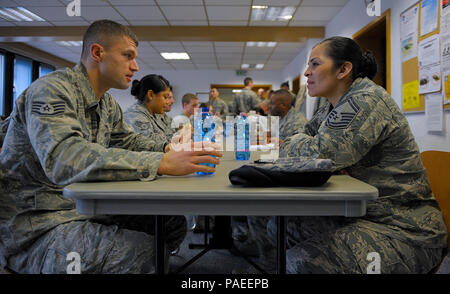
(175, 55)
(273, 13)
(18, 14)
(69, 43)
(236, 91)
(261, 44)
(259, 66)
(260, 6)
(245, 65)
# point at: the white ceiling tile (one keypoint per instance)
(7, 3)
(54, 13)
(228, 2)
(99, 12)
(131, 2)
(78, 22)
(197, 44)
(165, 44)
(324, 3)
(228, 12)
(184, 12)
(140, 12)
(277, 2)
(316, 13)
(229, 49)
(6, 24)
(258, 50)
(161, 66)
(227, 23)
(206, 66)
(199, 49)
(30, 3)
(189, 22)
(88, 3)
(229, 44)
(268, 23)
(32, 24)
(170, 49)
(308, 23)
(161, 22)
(286, 50)
(180, 2)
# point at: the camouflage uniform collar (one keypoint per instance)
(357, 85)
(140, 105)
(85, 86)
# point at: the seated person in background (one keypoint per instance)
(363, 130)
(152, 93)
(291, 122)
(261, 95)
(285, 86)
(219, 107)
(190, 103)
(263, 108)
(66, 128)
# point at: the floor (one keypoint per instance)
(223, 262)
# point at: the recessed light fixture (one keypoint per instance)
(245, 65)
(175, 55)
(260, 6)
(261, 44)
(18, 14)
(69, 43)
(273, 13)
(259, 66)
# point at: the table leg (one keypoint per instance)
(281, 245)
(159, 244)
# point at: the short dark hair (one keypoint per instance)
(156, 83)
(101, 32)
(342, 49)
(187, 98)
(284, 95)
(247, 81)
(285, 84)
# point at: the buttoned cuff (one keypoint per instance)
(149, 167)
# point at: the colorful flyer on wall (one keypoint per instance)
(409, 25)
(410, 95)
(429, 16)
(429, 57)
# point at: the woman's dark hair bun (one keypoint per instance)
(368, 66)
(135, 88)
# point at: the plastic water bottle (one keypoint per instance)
(242, 138)
(204, 131)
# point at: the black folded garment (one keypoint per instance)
(290, 171)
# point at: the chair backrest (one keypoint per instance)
(437, 165)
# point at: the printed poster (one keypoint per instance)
(409, 25)
(429, 16)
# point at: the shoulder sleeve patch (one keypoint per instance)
(342, 116)
(48, 109)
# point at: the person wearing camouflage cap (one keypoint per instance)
(65, 128)
(291, 122)
(145, 115)
(363, 131)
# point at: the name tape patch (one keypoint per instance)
(342, 116)
(42, 108)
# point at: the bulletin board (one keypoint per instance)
(411, 100)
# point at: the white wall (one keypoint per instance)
(347, 22)
(184, 81)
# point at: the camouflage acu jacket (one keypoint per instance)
(367, 135)
(60, 133)
(146, 123)
(292, 123)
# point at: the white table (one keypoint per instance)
(214, 195)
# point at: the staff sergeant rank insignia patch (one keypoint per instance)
(42, 108)
(343, 115)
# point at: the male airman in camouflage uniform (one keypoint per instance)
(367, 136)
(291, 122)
(245, 100)
(65, 128)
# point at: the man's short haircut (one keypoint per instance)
(101, 32)
(285, 84)
(284, 95)
(247, 81)
(187, 98)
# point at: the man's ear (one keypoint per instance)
(345, 70)
(97, 52)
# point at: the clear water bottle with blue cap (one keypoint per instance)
(204, 130)
(242, 138)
